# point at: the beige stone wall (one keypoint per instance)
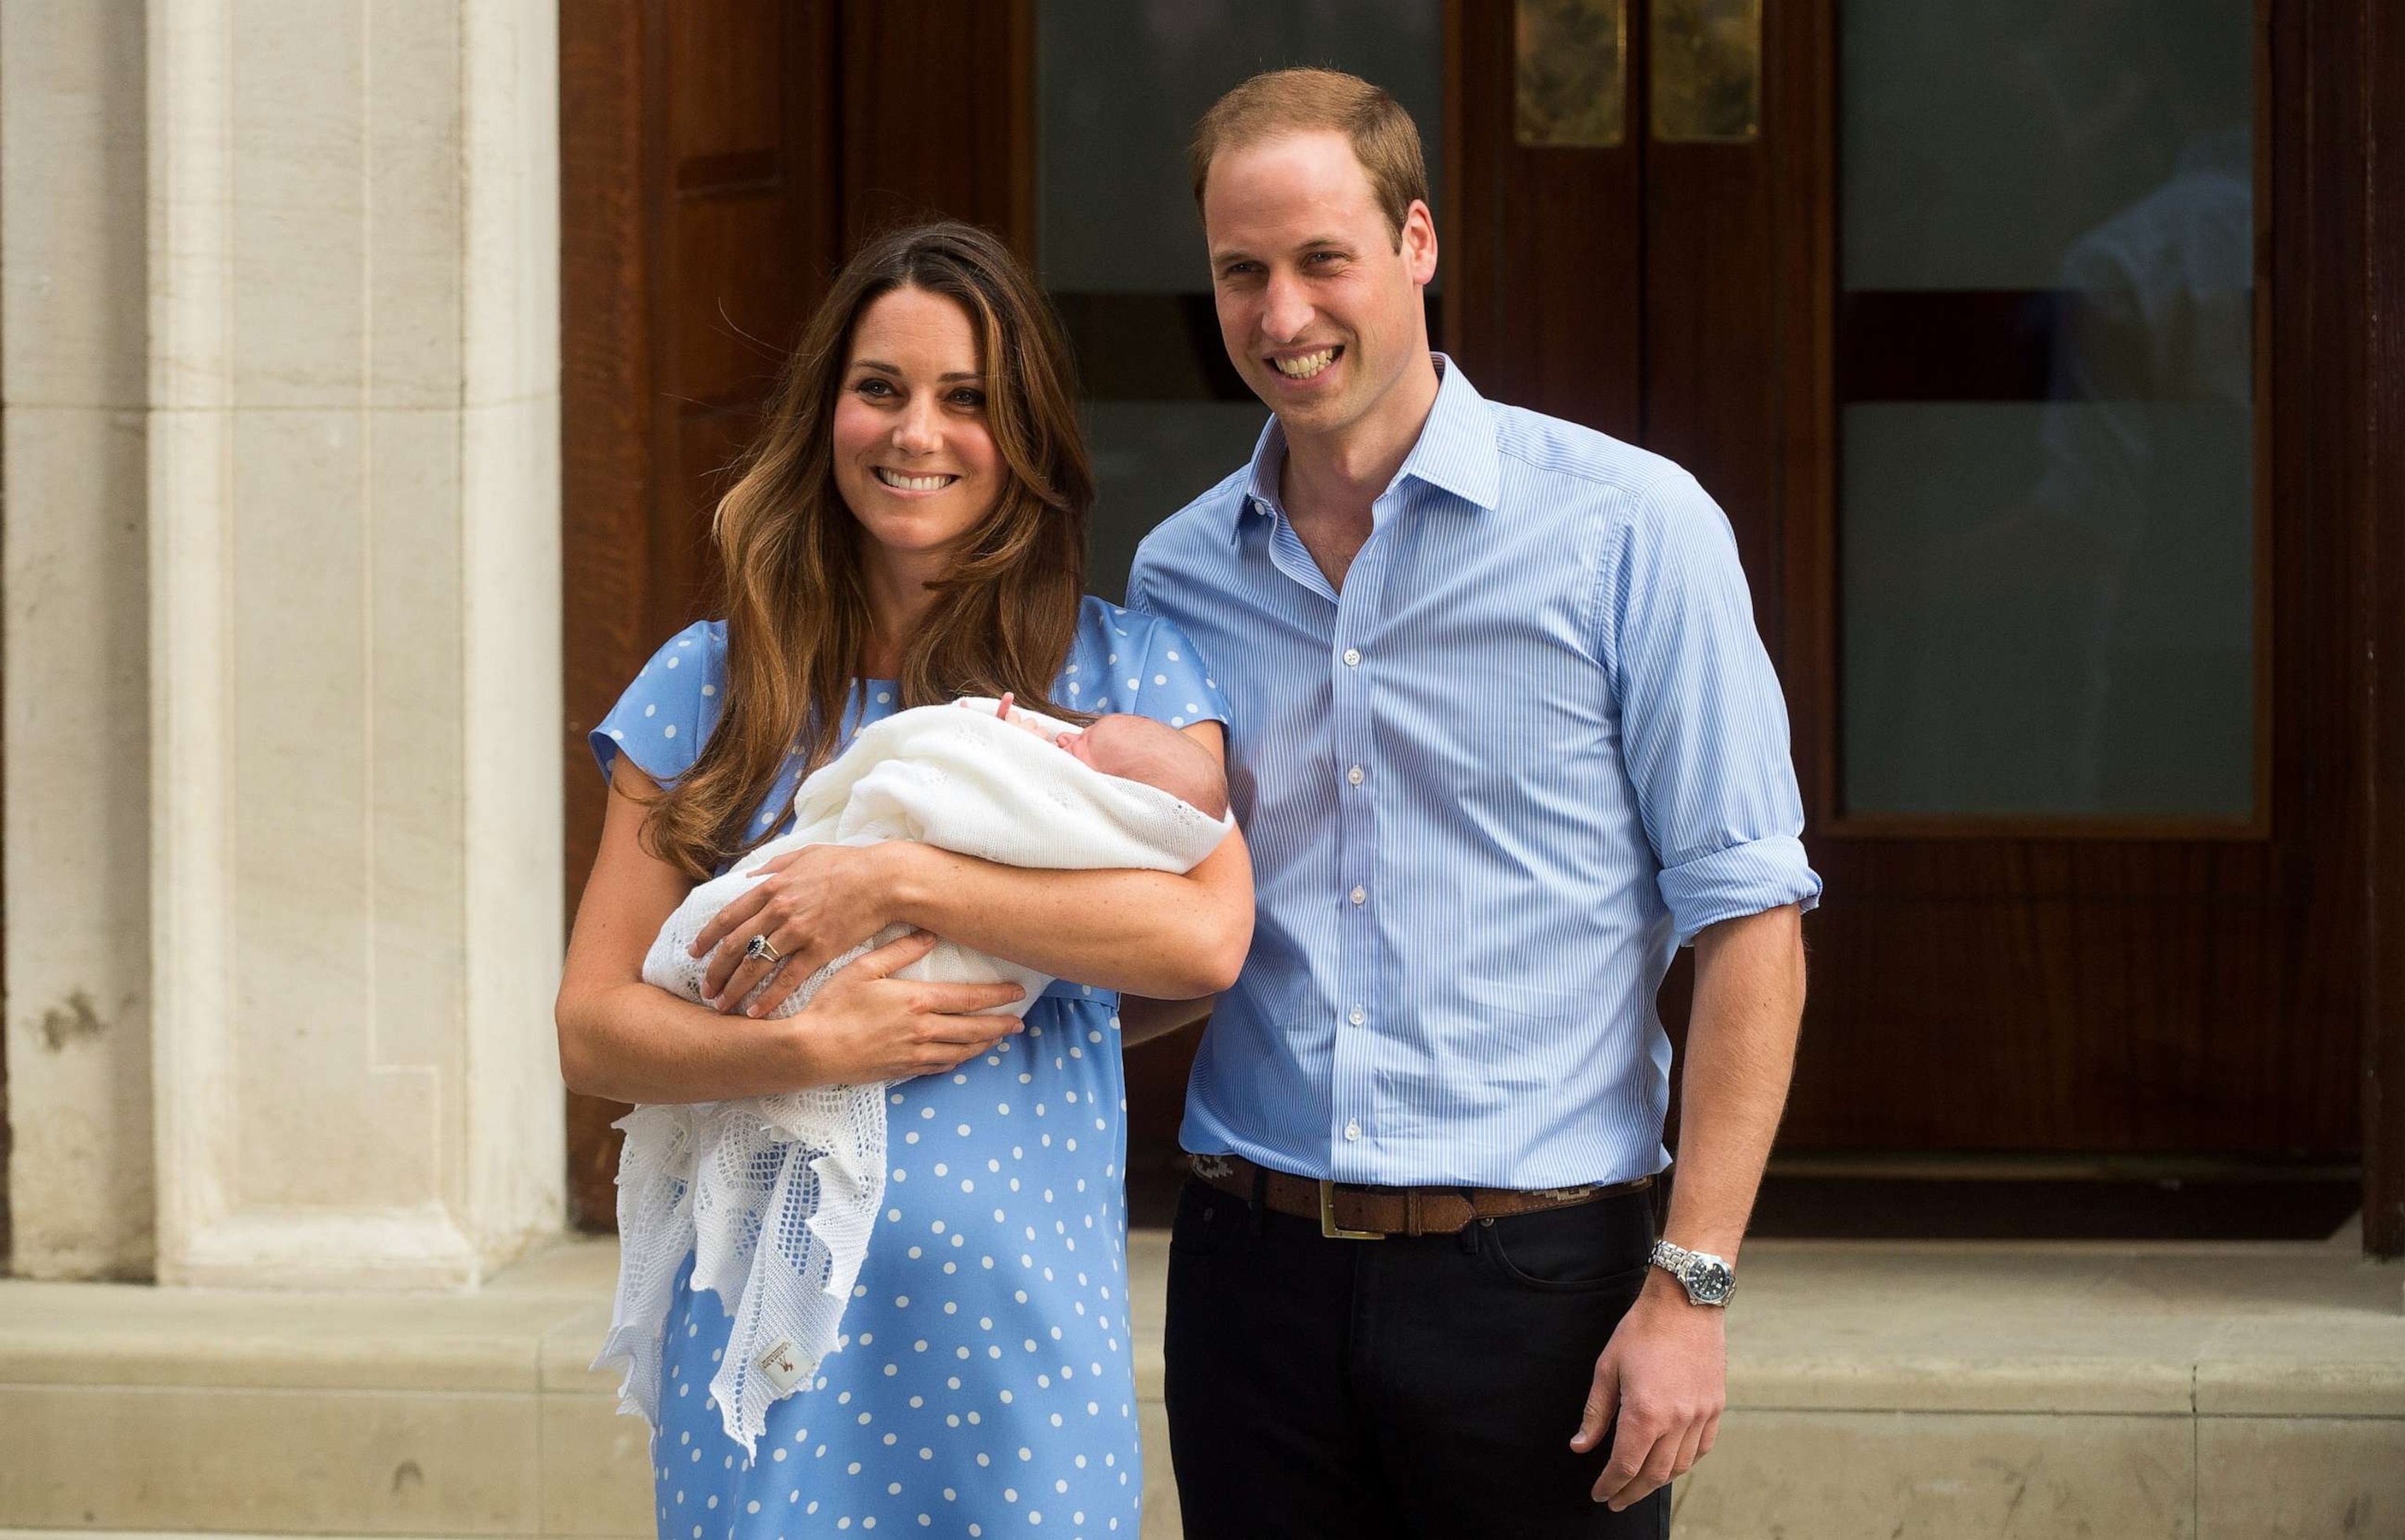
(280, 364)
(354, 606)
(73, 287)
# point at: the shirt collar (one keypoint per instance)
(1454, 452)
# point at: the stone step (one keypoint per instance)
(2196, 1392)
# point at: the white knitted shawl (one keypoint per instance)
(776, 1196)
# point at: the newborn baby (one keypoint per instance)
(1126, 747)
(1137, 748)
(776, 1196)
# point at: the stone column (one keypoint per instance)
(354, 526)
(77, 717)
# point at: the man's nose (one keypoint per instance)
(1286, 309)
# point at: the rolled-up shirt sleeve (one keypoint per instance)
(1703, 724)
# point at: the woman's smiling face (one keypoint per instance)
(913, 457)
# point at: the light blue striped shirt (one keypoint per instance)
(1531, 749)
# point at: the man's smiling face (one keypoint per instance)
(1319, 311)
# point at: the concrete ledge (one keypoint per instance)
(2188, 1392)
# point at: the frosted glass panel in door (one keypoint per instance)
(2047, 508)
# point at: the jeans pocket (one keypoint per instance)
(1208, 1222)
(1567, 1250)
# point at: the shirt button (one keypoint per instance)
(1352, 1130)
(1360, 895)
(1352, 657)
(1354, 775)
(1358, 1016)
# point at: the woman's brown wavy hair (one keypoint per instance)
(797, 618)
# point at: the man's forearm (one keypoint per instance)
(1740, 1054)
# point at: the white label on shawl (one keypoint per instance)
(781, 1367)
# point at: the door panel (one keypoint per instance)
(2115, 944)
(1542, 246)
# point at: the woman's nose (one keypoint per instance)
(915, 432)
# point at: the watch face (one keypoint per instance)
(1710, 1282)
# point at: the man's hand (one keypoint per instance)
(1664, 1374)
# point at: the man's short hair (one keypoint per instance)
(1301, 101)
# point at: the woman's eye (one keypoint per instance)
(968, 398)
(873, 387)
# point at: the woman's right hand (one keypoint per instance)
(866, 1025)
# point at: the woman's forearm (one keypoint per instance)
(1144, 932)
(633, 1042)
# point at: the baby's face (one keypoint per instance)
(1094, 746)
(1113, 745)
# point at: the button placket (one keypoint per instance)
(1356, 825)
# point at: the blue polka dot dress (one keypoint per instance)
(985, 1385)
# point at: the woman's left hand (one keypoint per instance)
(815, 904)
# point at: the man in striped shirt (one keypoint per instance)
(1504, 739)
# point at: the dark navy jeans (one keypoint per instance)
(1330, 1389)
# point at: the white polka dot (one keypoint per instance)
(709, 689)
(652, 710)
(1173, 657)
(674, 661)
(668, 731)
(1161, 679)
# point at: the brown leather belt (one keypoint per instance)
(1350, 1211)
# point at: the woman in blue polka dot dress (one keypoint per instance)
(910, 528)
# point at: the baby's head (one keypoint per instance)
(1137, 748)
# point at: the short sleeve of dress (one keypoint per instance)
(661, 721)
(1161, 675)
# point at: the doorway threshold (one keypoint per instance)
(2013, 1197)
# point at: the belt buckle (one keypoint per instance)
(1327, 1225)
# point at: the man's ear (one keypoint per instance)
(1419, 242)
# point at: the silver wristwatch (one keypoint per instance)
(1708, 1279)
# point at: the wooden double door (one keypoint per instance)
(2019, 447)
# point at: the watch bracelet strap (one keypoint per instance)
(1673, 1259)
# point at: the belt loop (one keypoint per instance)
(1411, 1212)
(1259, 1217)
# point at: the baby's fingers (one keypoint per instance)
(960, 1002)
(894, 956)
